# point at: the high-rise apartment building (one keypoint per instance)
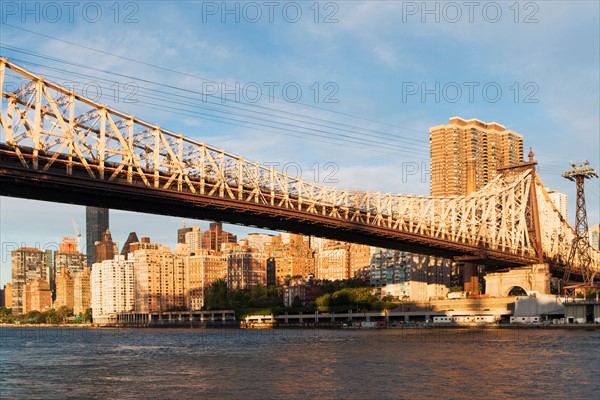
(144, 244)
(68, 256)
(112, 287)
(246, 267)
(359, 258)
(204, 268)
(82, 291)
(160, 278)
(260, 241)
(410, 276)
(96, 224)
(64, 289)
(28, 264)
(560, 202)
(36, 296)
(73, 290)
(466, 155)
(292, 257)
(333, 261)
(193, 238)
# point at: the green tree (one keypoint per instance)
(33, 316)
(216, 296)
(87, 315)
(53, 317)
(323, 301)
(297, 302)
(6, 315)
(334, 286)
(257, 297)
(63, 313)
(455, 289)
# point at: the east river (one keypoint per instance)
(64, 363)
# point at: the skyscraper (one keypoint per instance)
(466, 155)
(96, 223)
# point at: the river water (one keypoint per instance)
(64, 363)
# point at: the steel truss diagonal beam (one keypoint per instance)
(54, 138)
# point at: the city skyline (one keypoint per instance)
(239, 230)
(562, 95)
(366, 135)
(158, 278)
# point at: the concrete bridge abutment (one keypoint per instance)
(532, 278)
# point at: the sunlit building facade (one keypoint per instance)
(112, 287)
(64, 289)
(36, 296)
(560, 201)
(28, 264)
(160, 278)
(204, 268)
(82, 291)
(467, 154)
(246, 267)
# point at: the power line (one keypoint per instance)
(195, 76)
(400, 140)
(185, 112)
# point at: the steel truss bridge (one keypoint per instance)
(59, 146)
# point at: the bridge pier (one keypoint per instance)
(532, 278)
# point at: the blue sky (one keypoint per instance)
(369, 56)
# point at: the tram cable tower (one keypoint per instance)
(580, 249)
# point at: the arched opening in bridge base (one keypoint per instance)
(517, 291)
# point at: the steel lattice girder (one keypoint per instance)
(50, 129)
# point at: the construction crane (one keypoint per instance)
(78, 241)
